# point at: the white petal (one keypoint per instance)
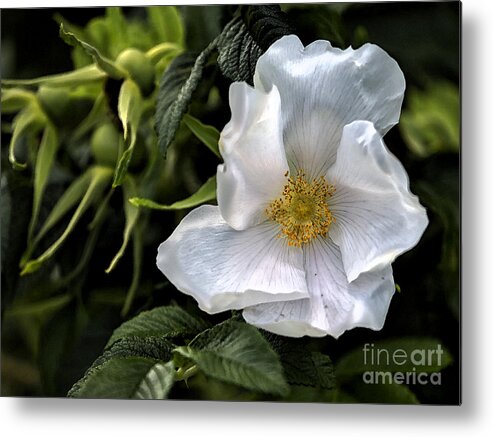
(334, 305)
(227, 269)
(252, 175)
(322, 89)
(377, 217)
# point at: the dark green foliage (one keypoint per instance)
(236, 352)
(301, 365)
(175, 91)
(240, 44)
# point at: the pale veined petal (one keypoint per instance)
(377, 217)
(252, 175)
(226, 269)
(334, 305)
(324, 88)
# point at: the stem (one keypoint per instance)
(182, 374)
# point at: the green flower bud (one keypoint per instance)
(63, 108)
(139, 67)
(105, 144)
(54, 102)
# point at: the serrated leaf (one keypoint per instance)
(44, 161)
(237, 353)
(209, 135)
(109, 67)
(205, 193)
(15, 99)
(167, 321)
(266, 23)
(238, 52)
(324, 370)
(157, 383)
(302, 366)
(130, 105)
(177, 85)
(246, 37)
(81, 76)
(166, 22)
(28, 122)
(405, 354)
(261, 26)
(126, 378)
(157, 347)
(98, 180)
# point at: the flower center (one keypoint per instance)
(303, 212)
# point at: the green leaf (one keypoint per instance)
(157, 383)
(302, 366)
(162, 51)
(359, 392)
(81, 76)
(205, 193)
(109, 67)
(15, 99)
(237, 353)
(177, 85)
(324, 370)
(127, 378)
(42, 307)
(137, 266)
(69, 199)
(44, 161)
(246, 37)
(166, 22)
(167, 321)
(321, 21)
(238, 52)
(98, 180)
(116, 27)
(28, 122)
(209, 135)
(266, 23)
(431, 122)
(405, 354)
(94, 117)
(131, 217)
(157, 347)
(130, 105)
(202, 24)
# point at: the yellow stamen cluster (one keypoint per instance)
(303, 211)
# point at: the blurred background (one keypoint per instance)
(53, 329)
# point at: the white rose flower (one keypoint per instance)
(312, 206)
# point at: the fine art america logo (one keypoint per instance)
(400, 366)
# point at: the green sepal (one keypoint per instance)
(209, 135)
(205, 193)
